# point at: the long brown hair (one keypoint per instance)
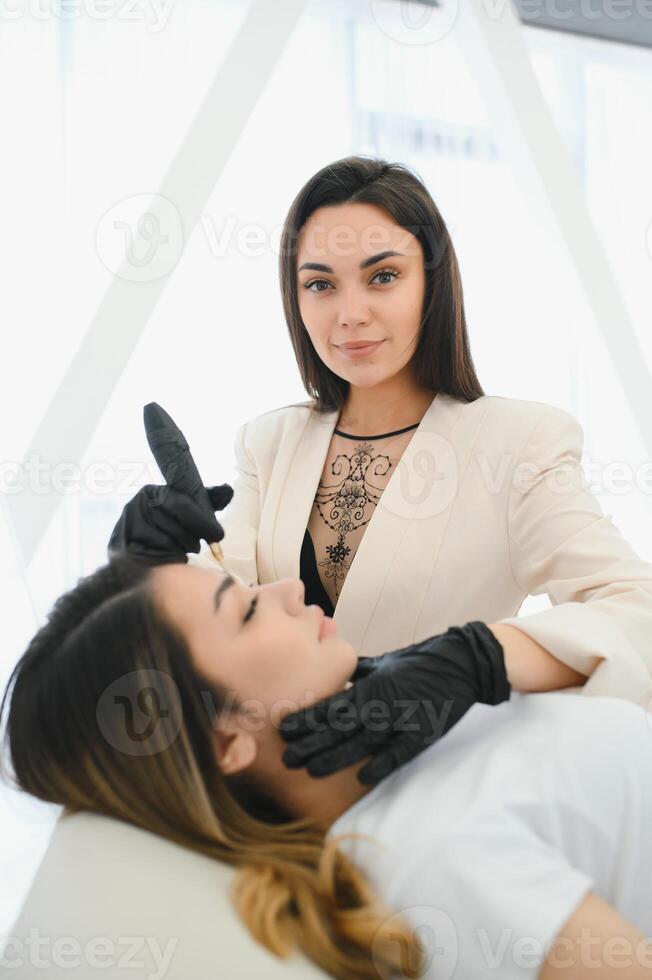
(67, 745)
(442, 359)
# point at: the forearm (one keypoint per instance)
(529, 666)
(609, 935)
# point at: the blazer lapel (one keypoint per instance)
(412, 508)
(415, 501)
(297, 485)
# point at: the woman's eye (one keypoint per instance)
(381, 272)
(387, 272)
(251, 609)
(316, 282)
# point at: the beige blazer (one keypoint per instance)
(488, 504)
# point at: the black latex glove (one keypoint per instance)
(161, 524)
(399, 704)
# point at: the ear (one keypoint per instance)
(234, 750)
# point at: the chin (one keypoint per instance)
(369, 378)
(349, 658)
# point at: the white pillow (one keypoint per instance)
(108, 896)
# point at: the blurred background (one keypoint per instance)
(97, 101)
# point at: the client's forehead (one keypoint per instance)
(177, 576)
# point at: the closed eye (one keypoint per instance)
(251, 609)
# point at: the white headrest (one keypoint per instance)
(108, 895)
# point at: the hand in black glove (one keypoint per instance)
(161, 524)
(399, 704)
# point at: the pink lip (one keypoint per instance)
(358, 343)
(327, 626)
(358, 350)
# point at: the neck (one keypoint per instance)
(388, 405)
(321, 799)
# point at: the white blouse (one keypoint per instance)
(490, 838)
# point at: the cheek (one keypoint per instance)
(317, 323)
(407, 301)
(278, 663)
(296, 664)
(336, 662)
(315, 326)
(326, 665)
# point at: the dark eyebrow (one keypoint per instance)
(318, 267)
(227, 581)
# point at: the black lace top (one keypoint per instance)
(330, 538)
(315, 591)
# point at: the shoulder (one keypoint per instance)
(519, 423)
(598, 754)
(302, 407)
(269, 427)
(516, 410)
(606, 727)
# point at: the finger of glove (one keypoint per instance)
(136, 533)
(297, 753)
(320, 734)
(386, 760)
(149, 556)
(170, 530)
(358, 747)
(364, 667)
(117, 540)
(192, 516)
(220, 496)
(315, 719)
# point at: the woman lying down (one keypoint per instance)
(518, 845)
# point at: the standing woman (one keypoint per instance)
(405, 498)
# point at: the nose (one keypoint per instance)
(293, 593)
(354, 310)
